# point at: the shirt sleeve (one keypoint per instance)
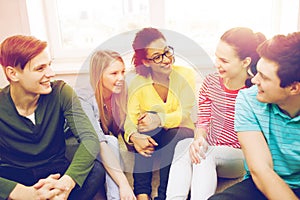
(90, 107)
(133, 110)
(245, 119)
(204, 106)
(7, 187)
(80, 125)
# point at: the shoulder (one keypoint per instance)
(213, 82)
(59, 87)
(5, 90)
(248, 96)
(139, 81)
(184, 70)
(85, 92)
(4, 96)
(249, 93)
(57, 84)
(212, 77)
(183, 74)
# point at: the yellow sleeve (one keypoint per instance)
(133, 106)
(133, 112)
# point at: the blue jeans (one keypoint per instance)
(245, 190)
(143, 166)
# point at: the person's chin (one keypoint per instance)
(260, 98)
(46, 90)
(117, 90)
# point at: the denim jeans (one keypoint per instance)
(245, 190)
(93, 183)
(143, 167)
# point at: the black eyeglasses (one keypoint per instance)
(160, 57)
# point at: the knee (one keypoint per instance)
(220, 196)
(182, 150)
(112, 140)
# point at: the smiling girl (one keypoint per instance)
(215, 150)
(104, 101)
(160, 100)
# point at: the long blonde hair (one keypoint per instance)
(101, 60)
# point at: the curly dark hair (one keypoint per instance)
(142, 39)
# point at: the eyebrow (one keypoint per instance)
(156, 53)
(42, 65)
(264, 76)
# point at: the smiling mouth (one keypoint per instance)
(259, 91)
(45, 83)
(119, 84)
(221, 71)
(166, 66)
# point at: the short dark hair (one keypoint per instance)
(142, 39)
(285, 51)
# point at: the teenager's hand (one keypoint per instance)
(44, 189)
(65, 184)
(148, 121)
(23, 192)
(198, 149)
(126, 192)
(143, 144)
(58, 187)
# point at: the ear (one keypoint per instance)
(146, 63)
(295, 88)
(246, 62)
(12, 73)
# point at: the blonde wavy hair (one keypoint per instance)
(101, 60)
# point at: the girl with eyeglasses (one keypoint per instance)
(215, 150)
(160, 100)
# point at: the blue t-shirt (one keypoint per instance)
(282, 133)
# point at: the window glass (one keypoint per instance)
(91, 22)
(75, 28)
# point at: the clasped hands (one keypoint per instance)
(198, 148)
(54, 187)
(144, 144)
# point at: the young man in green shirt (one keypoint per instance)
(33, 111)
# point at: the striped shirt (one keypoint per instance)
(282, 133)
(216, 112)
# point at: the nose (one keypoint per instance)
(121, 77)
(217, 63)
(167, 59)
(49, 72)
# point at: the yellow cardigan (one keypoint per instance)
(175, 112)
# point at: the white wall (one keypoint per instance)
(14, 20)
